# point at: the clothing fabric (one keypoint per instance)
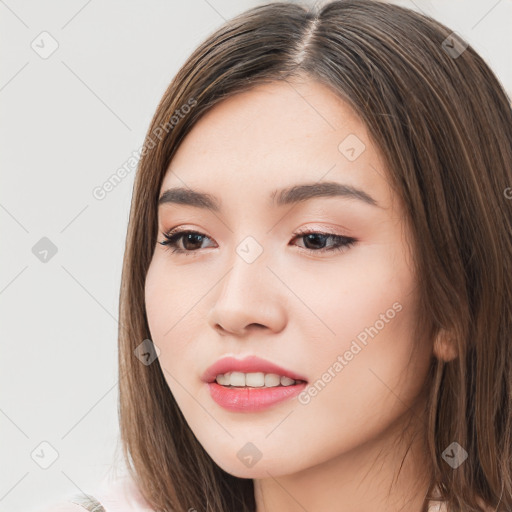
(88, 502)
(119, 494)
(122, 495)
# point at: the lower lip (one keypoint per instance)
(252, 399)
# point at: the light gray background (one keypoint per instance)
(68, 122)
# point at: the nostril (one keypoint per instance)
(257, 325)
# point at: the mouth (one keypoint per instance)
(251, 371)
(255, 380)
(251, 384)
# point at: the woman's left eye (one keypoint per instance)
(192, 240)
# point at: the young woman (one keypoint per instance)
(317, 284)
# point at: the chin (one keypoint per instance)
(261, 469)
(244, 460)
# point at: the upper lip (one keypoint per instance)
(249, 364)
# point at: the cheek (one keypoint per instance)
(368, 376)
(370, 347)
(157, 300)
(173, 309)
(366, 287)
(168, 298)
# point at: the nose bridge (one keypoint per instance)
(248, 269)
(246, 294)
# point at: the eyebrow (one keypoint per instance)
(292, 195)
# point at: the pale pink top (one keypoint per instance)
(122, 495)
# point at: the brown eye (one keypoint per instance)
(191, 241)
(316, 242)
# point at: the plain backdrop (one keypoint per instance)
(79, 83)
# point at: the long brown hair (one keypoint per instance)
(443, 124)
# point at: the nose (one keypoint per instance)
(249, 298)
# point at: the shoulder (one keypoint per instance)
(112, 495)
(63, 506)
(121, 495)
(76, 503)
(437, 506)
(442, 506)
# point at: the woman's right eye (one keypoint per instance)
(190, 240)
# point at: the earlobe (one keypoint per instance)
(445, 348)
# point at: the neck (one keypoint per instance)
(388, 473)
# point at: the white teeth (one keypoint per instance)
(237, 379)
(271, 380)
(286, 381)
(223, 379)
(253, 380)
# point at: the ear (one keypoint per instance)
(445, 348)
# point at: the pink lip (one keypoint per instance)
(250, 399)
(246, 365)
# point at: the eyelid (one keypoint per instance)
(185, 229)
(303, 230)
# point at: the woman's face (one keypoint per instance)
(251, 283)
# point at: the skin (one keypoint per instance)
(298, 309)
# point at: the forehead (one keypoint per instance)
(273, 136)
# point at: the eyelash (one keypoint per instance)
(172, 237)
